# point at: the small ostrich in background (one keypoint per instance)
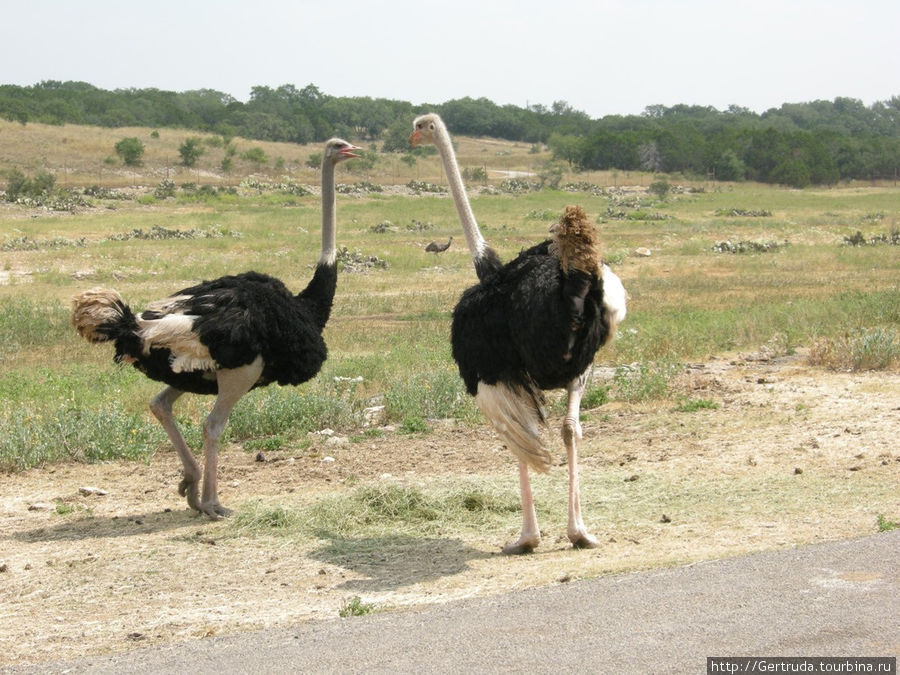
(534, 323)
(222, 337)
(436, 248)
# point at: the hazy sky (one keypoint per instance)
(602, 57)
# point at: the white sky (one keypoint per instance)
(602, 57)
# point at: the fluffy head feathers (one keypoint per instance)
(574, 242)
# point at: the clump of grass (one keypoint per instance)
(413, 425)
(695, 404)
(885, 525)
(866, 349)
(256, 517)
(355, 607)
(430, 395)
(644, 381)
(382, 509)
(594, 397)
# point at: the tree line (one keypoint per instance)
(820, 142)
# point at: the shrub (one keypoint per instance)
(660, 188)
(130, 150)
(191, 151)
(19, 185)
(256, 155)
(869, 349)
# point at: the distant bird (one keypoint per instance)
(532, 324)
(436, 248)
(222, 337)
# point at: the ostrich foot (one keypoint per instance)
(214, 510)
(584, 540)
(524, 546)
(188, 488)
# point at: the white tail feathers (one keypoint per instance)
(517, 418)
(95, 308)
(613, 297)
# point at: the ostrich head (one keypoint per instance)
(424, 127)
(337, 150)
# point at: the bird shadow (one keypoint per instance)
(392, 562)
(86, 527)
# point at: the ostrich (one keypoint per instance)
(437, 248)
(532, 324)
(222, 337)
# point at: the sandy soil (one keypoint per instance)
(792, 455)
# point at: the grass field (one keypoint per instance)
(388, 337)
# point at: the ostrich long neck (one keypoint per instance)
(328, 213)
(476, 242)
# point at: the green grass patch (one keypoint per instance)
(695, 404)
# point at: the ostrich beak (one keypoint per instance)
(415, 138)
(348, 151)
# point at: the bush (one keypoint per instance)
(130, 150)
(19, 185)
(256, 155)
(191, 151)
(660, 189)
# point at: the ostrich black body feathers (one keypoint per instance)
(237, 318)
(514, 325)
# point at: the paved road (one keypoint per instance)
(835, 599)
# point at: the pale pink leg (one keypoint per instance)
(531, 534)
(571, 433)
(161, 407)
(233, 384)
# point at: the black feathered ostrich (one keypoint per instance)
(534, 323)
(222, 337)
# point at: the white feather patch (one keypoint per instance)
(516, 420)
(613, 296)
(185, 364)
(175, 333)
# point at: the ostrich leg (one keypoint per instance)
(531, 533)
(233, 384)
(161, 407)
(571, 433)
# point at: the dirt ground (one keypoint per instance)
(792, 455)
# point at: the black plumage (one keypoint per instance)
(513, 325)
(222, 337)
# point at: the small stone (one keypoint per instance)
(92, 491)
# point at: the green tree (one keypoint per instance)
(792, 172)
(130, 150)
(191, 151)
